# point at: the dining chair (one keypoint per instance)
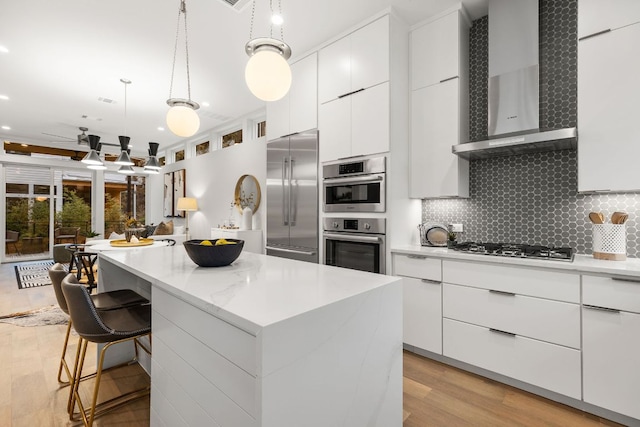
(107, 327)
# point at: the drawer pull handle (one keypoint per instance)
(509, 294)
(599, 33)
(595, 307)
(350, 93)
(498, 331)
(626, 279)
(417, 256)
(433, 282)
(448, 78)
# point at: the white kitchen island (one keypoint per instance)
(266, 341)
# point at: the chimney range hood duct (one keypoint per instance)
(514, 99)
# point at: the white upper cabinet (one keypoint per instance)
(355, 125)
(434, 51)
(435, 170)
(298, 110)
(608, 93)
(595, 16)
(357, 61)
(439, 107)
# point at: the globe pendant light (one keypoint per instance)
(267, 73)
(182, 118)
(92, 158)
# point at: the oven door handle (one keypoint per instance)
(353, 238)
(353, 180)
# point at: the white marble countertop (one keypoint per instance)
(254, 291)
(581, 263)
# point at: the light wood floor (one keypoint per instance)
(434, 394)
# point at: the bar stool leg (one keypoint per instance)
(63, 362)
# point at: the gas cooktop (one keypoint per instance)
(516, 250)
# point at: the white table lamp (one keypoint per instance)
(187, 204)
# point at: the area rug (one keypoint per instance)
(33, 274)
(51, 315)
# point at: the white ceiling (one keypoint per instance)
(65, 54)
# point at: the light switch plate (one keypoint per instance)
(456, 228)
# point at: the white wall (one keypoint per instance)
(211, 178)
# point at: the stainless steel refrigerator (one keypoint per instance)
(292, 196)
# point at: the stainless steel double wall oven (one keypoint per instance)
(355, 186)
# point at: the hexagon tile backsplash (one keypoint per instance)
(533, 199)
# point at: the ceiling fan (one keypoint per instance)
(82, 139)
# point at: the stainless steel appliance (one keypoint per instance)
(292, 196)
(517, 250)
(357, 243)
(355, 186)
(514, 87)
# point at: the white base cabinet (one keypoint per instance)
(422, 300)
(252, 238)
(611, 344)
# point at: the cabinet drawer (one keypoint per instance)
(611, 292)
(535, 362)
(552, 321)
(520, 280)
(419, 266)
(232, 343)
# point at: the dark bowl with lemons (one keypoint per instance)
(213, 252)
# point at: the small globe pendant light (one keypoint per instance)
(182, 118)
(267, 73)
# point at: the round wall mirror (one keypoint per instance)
(247, 193)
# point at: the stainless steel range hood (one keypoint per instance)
(514, 101)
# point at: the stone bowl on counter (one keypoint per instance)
(213, 255)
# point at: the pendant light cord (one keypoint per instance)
(181, 10)
(253, 13)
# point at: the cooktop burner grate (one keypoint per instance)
(516, 250)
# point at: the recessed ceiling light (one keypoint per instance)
(276, 19)
(6, 127)
(160, 128)
(4, 49)
(5, 97)
(205, 104)
(24, 145)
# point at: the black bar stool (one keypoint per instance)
(108, 327)
(102, 301)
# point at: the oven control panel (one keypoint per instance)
(355, 225)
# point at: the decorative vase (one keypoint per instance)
(129, 232)
(247, 218)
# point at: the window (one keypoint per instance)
(179, 155)
(262, 128)
(162, 161)
(202, 148)
(232, 138)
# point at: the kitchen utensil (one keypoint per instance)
(433, 234)
(615, 217)
(596, 217)
(619, 217)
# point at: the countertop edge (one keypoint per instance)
(581, 263)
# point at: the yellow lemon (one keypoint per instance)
(206, 243)
(221, 242)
